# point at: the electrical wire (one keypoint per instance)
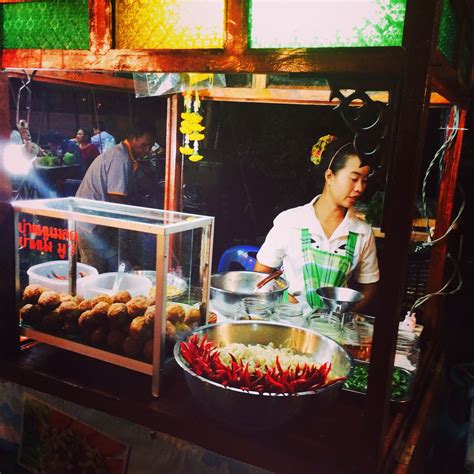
(442, 291)
(439, 157)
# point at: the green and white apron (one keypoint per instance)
(324, 268)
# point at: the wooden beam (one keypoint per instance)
(387, 61)
(79, 79)
(290, 95)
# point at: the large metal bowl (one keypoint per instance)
(228, 289)
(251, 411)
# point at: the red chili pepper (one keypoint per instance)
(204, 359)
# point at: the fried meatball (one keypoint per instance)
(181, 327)
(102, 298)
(98, 336)
(49, 300)
(86, 321)
(150, 315)
(139, 329)
(67, 297)
(86, 305)
(99, 312)
(175, 313)
(52, 321)
(115, 340)
(32, 293)
(69, 311)
(132, 346)
(117, 315)
(137, 306)
(122, 297)
(193, 317)
(148, 350)
(31, 314)
(170, 330)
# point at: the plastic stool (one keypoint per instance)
(70, 187)
(240, 255)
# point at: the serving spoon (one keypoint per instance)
(118, 277)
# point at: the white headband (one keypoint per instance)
(337, 153)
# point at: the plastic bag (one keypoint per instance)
(150, 84)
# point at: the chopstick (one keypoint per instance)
(269, 278)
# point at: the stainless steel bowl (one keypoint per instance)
(228, 289)
(251, 411)
(339, 299)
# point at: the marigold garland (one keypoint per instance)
(191, 127)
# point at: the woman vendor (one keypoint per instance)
(323, 243)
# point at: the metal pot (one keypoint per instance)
(251, 411)
(228, 289)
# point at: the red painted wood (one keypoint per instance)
(444, 218)
(377, 60)
(100, 26)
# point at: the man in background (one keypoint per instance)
(102, 139)
(112, 178)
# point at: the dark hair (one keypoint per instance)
(138, 129)
(86, 132)
(336, 154)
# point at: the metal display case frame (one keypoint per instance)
(72, 210)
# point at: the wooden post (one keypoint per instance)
(443, 221)
(174, 161)
(400, 195)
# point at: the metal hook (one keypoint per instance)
(20, 122)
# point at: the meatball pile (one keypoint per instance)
(118, 323)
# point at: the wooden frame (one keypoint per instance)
(416, 68)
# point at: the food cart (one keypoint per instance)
(426, 58)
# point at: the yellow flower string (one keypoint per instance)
(191, 127)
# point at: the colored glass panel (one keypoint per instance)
(169, 24)
(447, 32)
(47, 24)
(326, 23)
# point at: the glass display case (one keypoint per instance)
(111, 281)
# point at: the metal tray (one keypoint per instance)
(409, 375)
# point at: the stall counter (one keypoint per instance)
(325, 442)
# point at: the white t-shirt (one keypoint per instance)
(282, 245)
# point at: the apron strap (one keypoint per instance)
(351, 244)
(305, 239)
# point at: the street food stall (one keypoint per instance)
(382, 67)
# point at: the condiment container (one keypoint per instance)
(327, 324)
(254, 309)
(357, 336)
(289, 313)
